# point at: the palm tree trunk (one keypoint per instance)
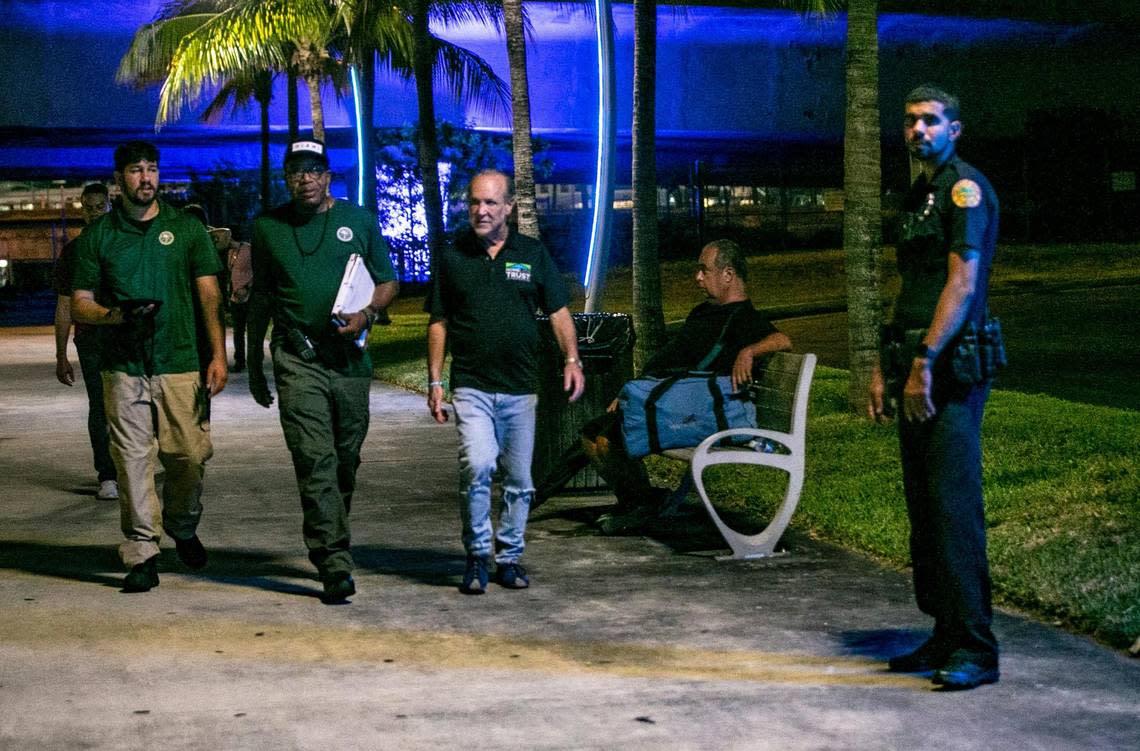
(422, 58)
(862, 185)
(648, 314)
(307, 62)
(316, 108)
(264, 94)
(367, 135)
(294, 107)
(520, 119)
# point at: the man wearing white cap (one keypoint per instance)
(300, 251)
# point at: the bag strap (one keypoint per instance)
(651, 412)
(718, 404)
(718, 345)
(659, 390)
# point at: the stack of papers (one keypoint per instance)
(356, 290)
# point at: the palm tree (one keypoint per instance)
(239, 90)
(521, 146)
(468, 76)
(648, 312)
(862, 203)
(201, 42)
(428, 141)
(196, 43)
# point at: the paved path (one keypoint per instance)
(621, 642)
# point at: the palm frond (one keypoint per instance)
(250, 35)
(453, 12)
(471, 79)
(147, 60)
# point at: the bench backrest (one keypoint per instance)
(781, 394)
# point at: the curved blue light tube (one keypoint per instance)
(603, 177)
(359, 126)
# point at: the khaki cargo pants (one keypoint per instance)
(163, 417)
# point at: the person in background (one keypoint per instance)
(240, 264)
(95, 202)
(235, 280)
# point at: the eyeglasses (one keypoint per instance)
(296, 173)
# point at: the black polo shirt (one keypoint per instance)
(741, 323)
(956, 211)
(490, 307)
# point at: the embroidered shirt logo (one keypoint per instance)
(344, 234)
(518, 272)
(966, 194)
(166, 237)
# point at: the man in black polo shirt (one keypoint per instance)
(484, 294)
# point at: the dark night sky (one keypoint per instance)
(723, 70)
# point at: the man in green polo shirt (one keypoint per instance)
(300, 251)
(148, 265)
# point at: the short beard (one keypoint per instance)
(134, 201)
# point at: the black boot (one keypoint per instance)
(143, 577)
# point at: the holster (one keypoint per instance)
(978, 356)
(896, 353)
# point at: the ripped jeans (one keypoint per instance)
(495, 431)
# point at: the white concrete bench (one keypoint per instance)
(781, 398)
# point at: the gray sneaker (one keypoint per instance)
(108, 491)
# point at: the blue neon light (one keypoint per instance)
(358, 122)
(598, 200)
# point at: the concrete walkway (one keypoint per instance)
(620, 642)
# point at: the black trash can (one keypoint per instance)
(605, 346)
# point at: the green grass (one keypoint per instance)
(1062, 479)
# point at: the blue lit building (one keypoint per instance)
(750, 103)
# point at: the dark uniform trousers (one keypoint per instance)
(324, 416)
(942, 477)
(87, 347)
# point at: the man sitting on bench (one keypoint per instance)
(725, 334)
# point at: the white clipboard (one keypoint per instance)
(355, 293)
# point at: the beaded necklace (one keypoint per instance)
(320, 242)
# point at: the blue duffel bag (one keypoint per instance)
(680, 411)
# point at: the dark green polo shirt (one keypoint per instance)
(119, 261)
(298, 262)
(490, 305)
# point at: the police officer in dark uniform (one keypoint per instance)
(945, 250)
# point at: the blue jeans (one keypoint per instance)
(495, 431)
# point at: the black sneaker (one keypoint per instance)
(967, 669)
(143, 577)
(338, 588)
(931, 655)
(475, 577)
(511, 576)
(191, 552)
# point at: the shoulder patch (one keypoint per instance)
(966, 194)
(344, 234)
